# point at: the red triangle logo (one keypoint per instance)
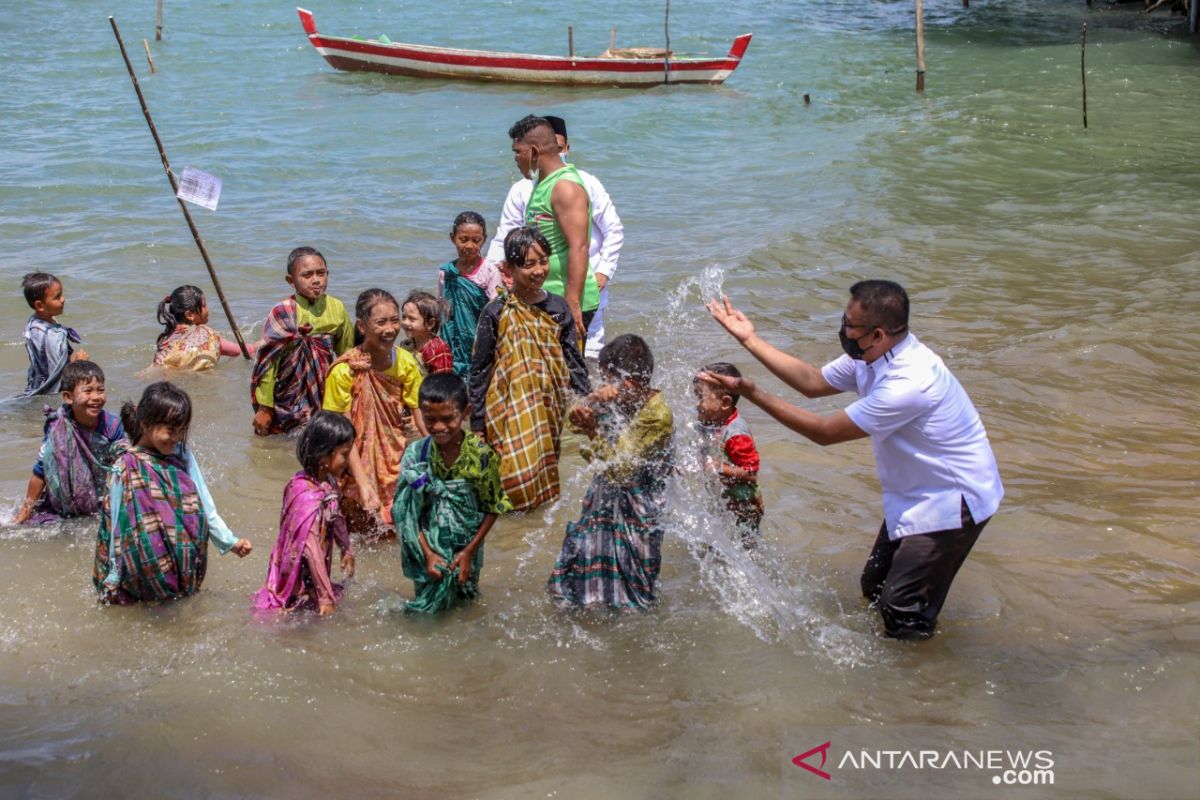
(823, 749)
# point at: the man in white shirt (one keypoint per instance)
(939, 477)
(608, 233)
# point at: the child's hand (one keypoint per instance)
(435, 566)
(608, 393)
(263, 419)
(326, 610)
(731, 319)
(348, 565)
(242, 548)
(584, 419)
(79, 355)
(462, 562)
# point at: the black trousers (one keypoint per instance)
(588, 316)
(909, 579)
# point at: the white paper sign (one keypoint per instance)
(199, 188)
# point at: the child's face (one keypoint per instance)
(309, 277)
(53, 303)
(86, 401)
(382, 325)
(711, 407)
(528, 280)
(338, 461)
(444, 421)
(468, 240)
(163, 438)
(413, 323)
(198, 317)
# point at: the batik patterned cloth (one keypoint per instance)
(189, 347)
(377, 407)
(526, 403)
(612, 555)
(153, 539)
(48, 345)
(309, 524)
(74, 463)
(466, 299)
(448, 503)
(303, 358)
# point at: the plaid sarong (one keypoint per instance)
(154, 544)
(526, 403)
(303, 362)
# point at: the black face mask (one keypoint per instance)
(850, 346)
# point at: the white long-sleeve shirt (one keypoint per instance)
(608, 234)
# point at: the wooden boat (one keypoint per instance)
(422, 61)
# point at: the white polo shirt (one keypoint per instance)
(931, 450)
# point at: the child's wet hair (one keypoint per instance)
(35, 285)
(173, 310)
(720, 368)
(371, 298)
(431, 308)
(443, 387)
(325, 432)
(469, 218)
(78, 372)
(162, 403)
(301, 252)
(517, 244)
(628, 356)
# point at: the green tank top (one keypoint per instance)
(540, 213)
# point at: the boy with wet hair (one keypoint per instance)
(77, 450)
(47, 341)
(730, 453)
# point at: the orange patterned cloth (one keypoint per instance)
(190, 347)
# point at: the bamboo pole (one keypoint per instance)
(919, 8)
(571, 41)
(149, 58)
(667, 34)
(158, 23)
(212, 272)
(612, 39)
(1083, 72)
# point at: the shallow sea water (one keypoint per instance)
(1054, 269)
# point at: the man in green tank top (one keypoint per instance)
(561, 210)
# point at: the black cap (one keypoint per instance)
(558, 124)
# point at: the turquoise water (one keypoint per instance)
(1054, 268)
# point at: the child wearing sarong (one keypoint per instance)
(527, 364)
(47, 341)
(447, 500)
(373, 385)
(729, 452)
(421, 317)
(611, 556)
(78, 447)
(311, 522)
(300, 339)
(157, 515)
(466, 284)
(187, 342)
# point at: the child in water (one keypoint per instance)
(301, 337)
(467, 284)
(730, 453)
(78, 447)
(373, 385)
(186, 341)
(421, 317)
(611, 556)
(158, 515)
(311, 522)
(447, 500)
(47, 341)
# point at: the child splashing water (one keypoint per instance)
(158, 515)
(186, 341)
(611, 556)
(421, 317)
(467, 284)
(448, 497)
(311, 522)
(373, 385)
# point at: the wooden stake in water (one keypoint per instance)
(612, 39)
(158, 23)
(149, 58)
(1083, 72)
(920, 12)
(667, 34)
(571, 41)
(212, 272)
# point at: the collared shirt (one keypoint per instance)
(931, 450)
(608, 234)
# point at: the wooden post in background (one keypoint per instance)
(146, 45)
(571, 40)
(920, 11)
(158, 23)
(1083, 72)
(612, 39)
(667, 34)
